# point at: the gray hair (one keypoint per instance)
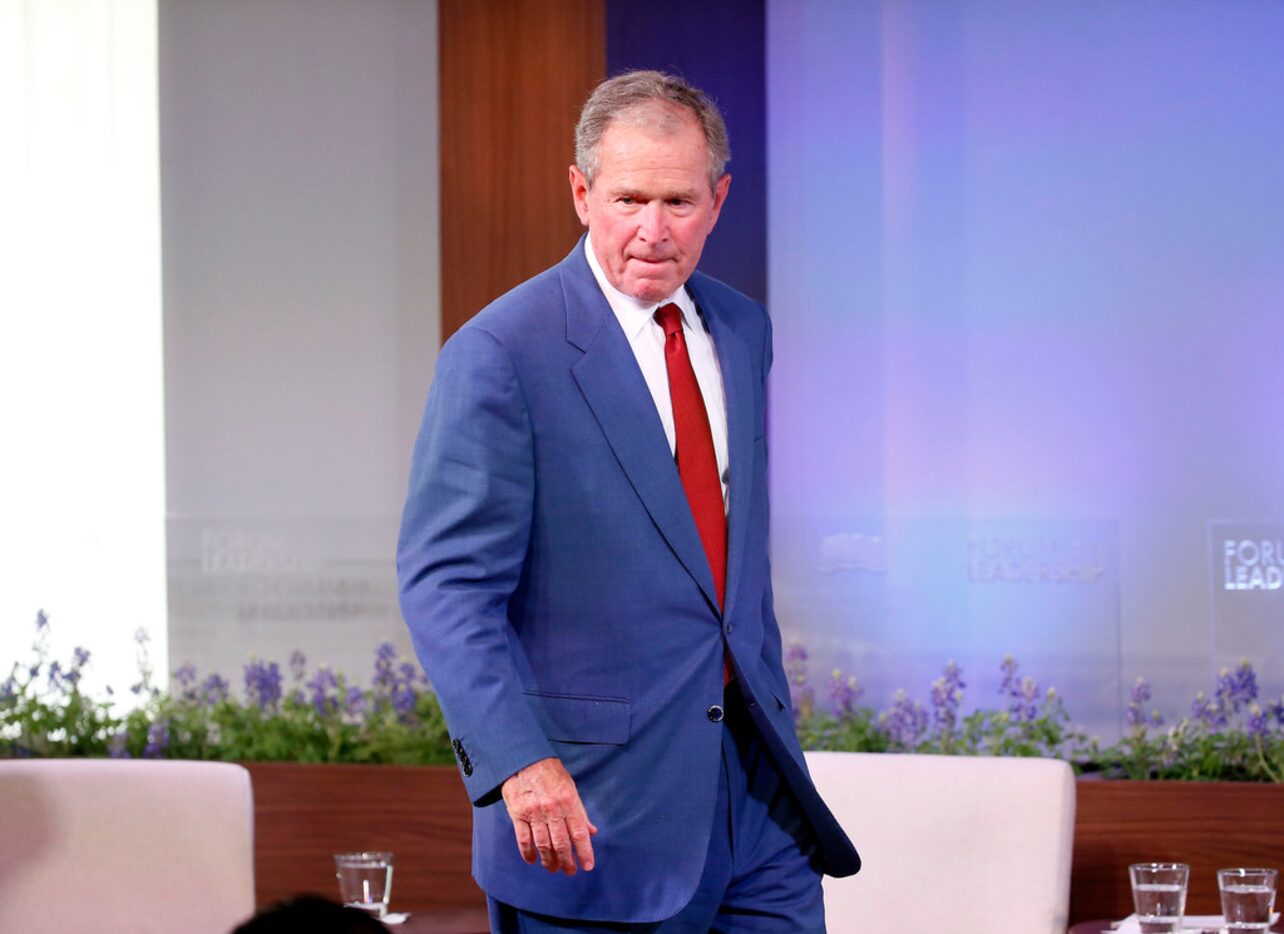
(633, 98)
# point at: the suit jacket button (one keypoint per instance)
(714, 714)
(461, 754)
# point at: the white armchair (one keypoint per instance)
(104, 845)
(969, 845)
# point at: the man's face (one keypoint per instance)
(650, 207)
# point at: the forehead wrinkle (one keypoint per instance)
(628, 188)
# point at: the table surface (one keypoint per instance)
(1100, 927)
(475, 921)
(445, 921)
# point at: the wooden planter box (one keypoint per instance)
(305, 813)
(1210, 825)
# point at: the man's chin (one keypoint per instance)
(649, 290)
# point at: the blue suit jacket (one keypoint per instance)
(560, 600)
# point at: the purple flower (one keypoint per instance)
(1207, 712)
(1026, 706)
(321, 686)
(843, 693)
(795, 663)
(904, 723)
(55, 676)
(947, 695)
(79, 658)
(185, 675)
(355, 703)
(1276, 710)
(404, 698)
(1257, 724)
(157, 741)
(214, 690)
(1022, 694)
(1009, 669)
(1236, 689)
(42, 621)
(9, 689)
(1138, 698)
(116, 746)
(298, 665)
(263, 684)
(385, 658)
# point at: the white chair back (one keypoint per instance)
(969, 845)
(120, 845)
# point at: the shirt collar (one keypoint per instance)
(633, 313)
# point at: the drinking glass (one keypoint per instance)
(1159, 895)
(365, 881)
(1248, 897)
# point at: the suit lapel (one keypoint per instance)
(737, 381)
(614, 389)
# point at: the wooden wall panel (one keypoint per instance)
(514, 74)
(1210, 825)
(305, 813)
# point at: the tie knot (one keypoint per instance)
(670, 318)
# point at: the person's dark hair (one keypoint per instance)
(311, 914)
(647, 98)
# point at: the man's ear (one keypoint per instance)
(719, 196)
(580, 193)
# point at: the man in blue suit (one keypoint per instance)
(583, 565)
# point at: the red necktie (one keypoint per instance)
(697, 463)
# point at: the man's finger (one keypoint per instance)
(581, 832)
(525, 842)
(549, 817)
(544, 845)
(562, 846)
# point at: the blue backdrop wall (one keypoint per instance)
(720, 46)
(1025, 265)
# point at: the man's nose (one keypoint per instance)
(654, 224)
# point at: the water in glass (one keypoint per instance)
(1159, 895)
(1159, 906)
(1247, 907)
(1248, 896)
(365, 881)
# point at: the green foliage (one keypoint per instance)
(857, 731)
(1195, 751)
(324, 717)
(43, 711)
(1228, 737)
(396, 720)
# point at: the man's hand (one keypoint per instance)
(548, 817)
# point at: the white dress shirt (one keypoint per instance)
(646, 338)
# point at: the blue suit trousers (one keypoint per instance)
(762, 872)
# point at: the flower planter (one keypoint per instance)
(1209, 825)
(305, 813)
